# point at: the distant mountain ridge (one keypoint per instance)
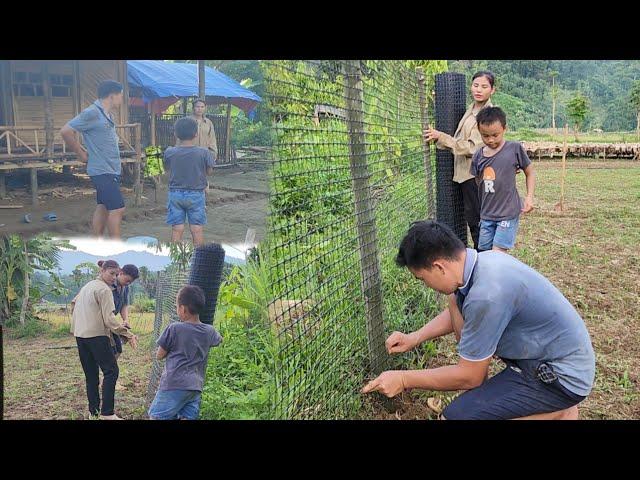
(69, 259)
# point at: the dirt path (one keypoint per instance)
(589, 251)
(47, 383)
(237, 201)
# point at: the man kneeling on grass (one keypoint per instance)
(185, 345)
(497, 306)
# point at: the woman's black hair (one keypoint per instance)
(105, 264)
(485, 73)
(131, 270)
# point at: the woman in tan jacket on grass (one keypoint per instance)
(93, 323)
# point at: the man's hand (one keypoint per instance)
(431, 134)
(528, 205)
(134, 342)
(83, 156)
(399, 342)
(389, 383)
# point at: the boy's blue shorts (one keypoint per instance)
(186, 205)
(108, 191)
(176, 405)
(501, 233)
(513, 393)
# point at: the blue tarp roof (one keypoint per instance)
(157, 80)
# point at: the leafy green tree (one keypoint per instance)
(577, 109)
(20, 258)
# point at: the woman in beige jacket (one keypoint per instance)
(93, 323)
(464, 143)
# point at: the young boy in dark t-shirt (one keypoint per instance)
(495, 167)
(188, 167)
(186, 346)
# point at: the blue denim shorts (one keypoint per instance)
(513, 393)
(108, 191)
(500, 233)
(176, 405)
(183, 205)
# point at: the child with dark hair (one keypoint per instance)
(188, 167)
(463, 144)
(495, 166)
(121, 299)
(185, 345)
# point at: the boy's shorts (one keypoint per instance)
(176, 405)
(108, 191)
(186, 204)
(513, 393)
(501, 233)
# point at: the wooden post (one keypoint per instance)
(365, 218)
(201, 81)
(137, 187)
(227, 149)
(426, 149)
(3, 185)
(48, 112)
(185, 100)
(564, 166)
(152, 124)
(34, 185)
(77, 106)
(26, 284)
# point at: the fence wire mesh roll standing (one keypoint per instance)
(350, 173)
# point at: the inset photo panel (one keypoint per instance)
(102, 329)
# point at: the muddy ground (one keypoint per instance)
(237, 200)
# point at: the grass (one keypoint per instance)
(141, 322)
(528, 135)
(44, 379)
(239, 369)
(589, 251)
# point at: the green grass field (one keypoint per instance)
(526, 135)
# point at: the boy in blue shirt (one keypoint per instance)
(495, 166)
(188, 167)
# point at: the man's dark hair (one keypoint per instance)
(485, 73)
(192, 297)
(186, 128)
(131, 270)
(198, 100)
(108, 87)
(426, 242)
(489, 115)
